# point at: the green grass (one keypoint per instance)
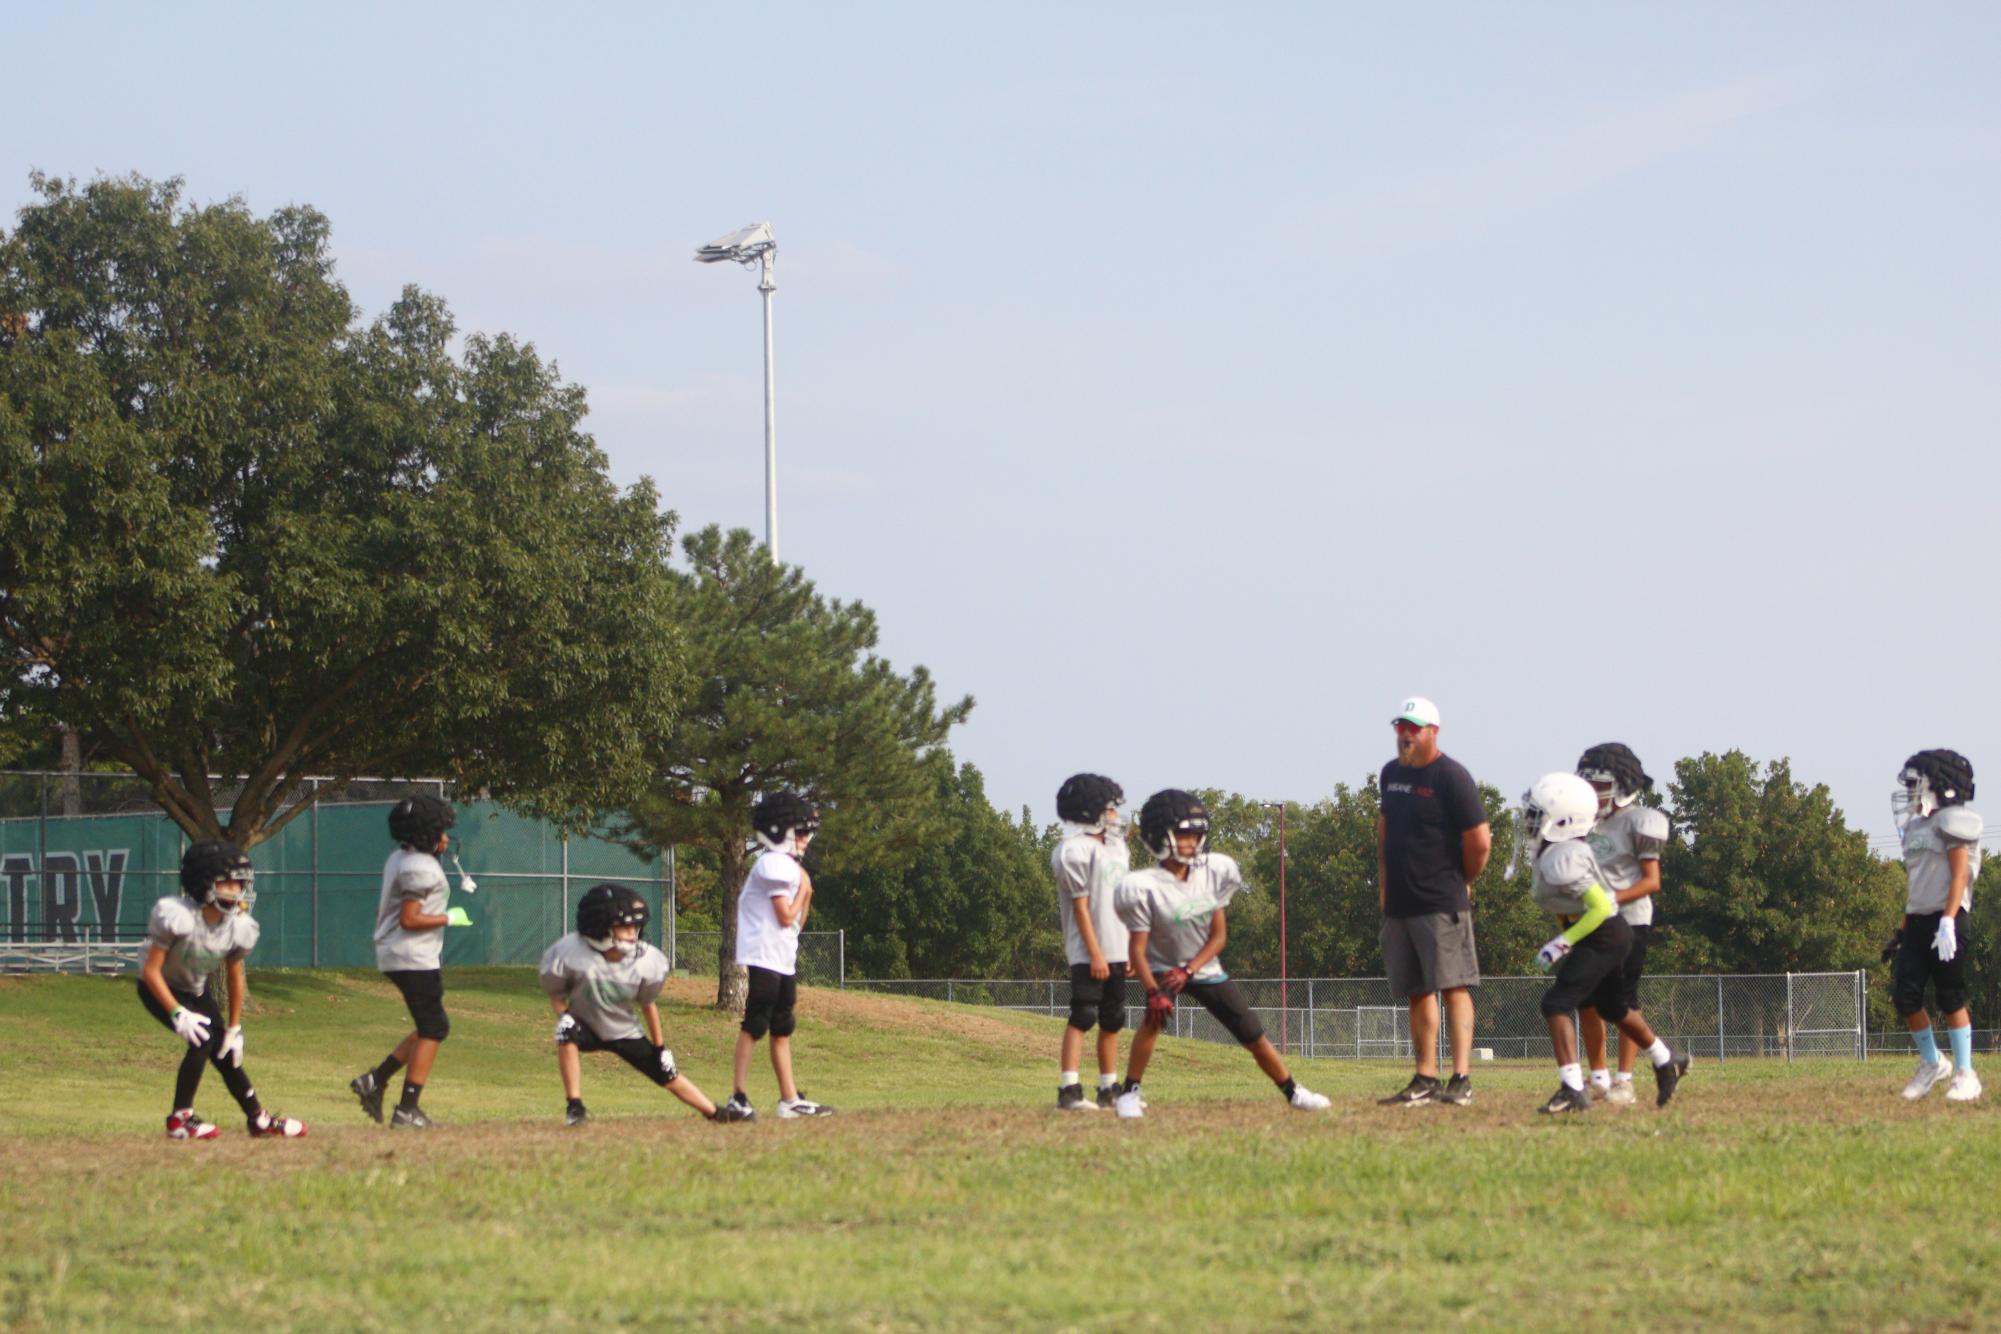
(949, 1193)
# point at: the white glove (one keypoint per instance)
(466, 883)
(566, 1028)
(667, 1065)
(1945, 943)
(192, 1027)
(232, 1045)
(1550, 955)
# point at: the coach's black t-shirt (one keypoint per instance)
(1425, 812)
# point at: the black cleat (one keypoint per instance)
(578, 1115)
(1108, 1097)
(1565, 1101)
(1667, 1077)
(367, 1088)
(1458, 1091)
(738, 1108)
(1070, 1098)
(412, 1117)
(1421, 1089)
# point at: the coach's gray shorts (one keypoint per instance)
(1430, 953)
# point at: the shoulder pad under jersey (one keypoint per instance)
(172, 918)
(1958, 824)
(1566, 864)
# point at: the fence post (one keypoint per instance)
(1719, 1019)
(948, 991)
(315, 813)
(673, 911)
(1862, 1014)
(1790, 1023)
(1310, 1034)
(843, 943)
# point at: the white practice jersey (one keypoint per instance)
(194, 948)
(1622, 841)
(1926, 843)
(410, 874)
(1088, 868)
(606, 997)
(760, 941)
(1563, 872)
(1175, 914)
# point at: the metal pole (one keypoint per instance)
(1284, 985)
(1862, 1014)
(1719, 1018)
(768, 284)
(673, 911)
(316, 870)
(1789, 1019)
(843, 941)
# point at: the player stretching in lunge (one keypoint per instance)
(1627, 840)
(1088, 864)
(1175, 912)
(207, 924)
(769, 912)
(410, 921)
(1942, 859)
(594, 977)
(1589, 957)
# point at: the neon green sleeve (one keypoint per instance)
(1598, 910)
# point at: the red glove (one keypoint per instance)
(1159, 1009)
(1173, 980)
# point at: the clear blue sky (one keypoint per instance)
(1189, 383)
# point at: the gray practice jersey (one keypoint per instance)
(194, 948)
(1563, 871)
(1175, 913)
(1088, 869)
(1621, 841)
(1926, 843)
(605, 996)
(409, 874)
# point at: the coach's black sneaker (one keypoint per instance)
(1458, 1091)
(369, 1089)
(412, 1117)
(1565, 1101)
(1666, 1077)
(576, 1114)
(1421, 1089)
(1070, 1098)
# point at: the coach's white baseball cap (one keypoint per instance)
(1417, 709)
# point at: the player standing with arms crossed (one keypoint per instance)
(1088, 864)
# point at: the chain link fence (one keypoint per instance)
(823, 956)
(1775, 1016)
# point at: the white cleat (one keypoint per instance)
(1621, 1094)
(1929, 1073)
(1965, 1086)
(1130, 1106)
(1305, 1099)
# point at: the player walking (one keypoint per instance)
(1942, 860)
(1627, 840)
(1088, 864)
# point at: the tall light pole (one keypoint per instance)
(748, 246)
(1284, 986)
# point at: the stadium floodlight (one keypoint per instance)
(747, 246)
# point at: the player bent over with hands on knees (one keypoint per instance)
(1627, 841)
(770, 910)
(1589, 957)
(594, 977)
(187, 935)
(410, 921)
(1176, 914)
(1088, 864)
(1942, 858)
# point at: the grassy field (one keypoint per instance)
(949, 1193)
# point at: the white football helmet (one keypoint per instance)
(1558, 807)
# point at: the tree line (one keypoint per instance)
(246, 532)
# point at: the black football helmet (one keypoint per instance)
(780, 815)
(213, 862)
(1614, 772)
(1929, 781)
(1170, 812)
(1084, 798)
(416, 822)
(605, 906)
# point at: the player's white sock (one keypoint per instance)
(1625, 1076)
(1572, 1075)
(1069, 1078)
(1108, 1081)
(1659, 1054)
(1601, 1078)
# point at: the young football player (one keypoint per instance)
(1942, 860)
(1088, 864)
(770, 910)
(594, 977)
(1589, 956)
(1176, 915)
(410, 920)
(1627, 840)
(188, 935)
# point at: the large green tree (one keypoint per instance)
(787, 692)
(243, 534)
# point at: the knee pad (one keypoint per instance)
(1111, 1018)
(783, 1023)
(436, 1027)
(756, 1024)
(1083, 1014)
(1907, 991)
(1550, 1005)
